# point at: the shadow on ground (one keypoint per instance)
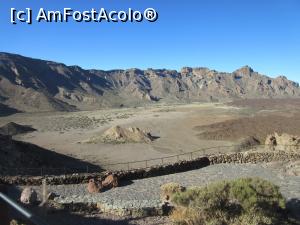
(293, 206)
(7, 111)
(21, 158)
(66, 218)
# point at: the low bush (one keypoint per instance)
(169, 189)
(245, 201)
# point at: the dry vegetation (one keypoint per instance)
(248, 201)
(169, 189)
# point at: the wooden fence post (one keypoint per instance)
(44, 190)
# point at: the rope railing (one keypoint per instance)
(204, 150)
(42, 171)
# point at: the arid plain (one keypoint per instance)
(177, 128)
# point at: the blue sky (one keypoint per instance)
(219, 34)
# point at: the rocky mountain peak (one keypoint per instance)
(197, 71)
(244, 71)
(186, 70)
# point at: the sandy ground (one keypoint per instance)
(174, 124)
(180, 128)
(269, 116)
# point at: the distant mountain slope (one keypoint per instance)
(28, 84)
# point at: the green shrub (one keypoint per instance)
(168, 189)
(245, 201)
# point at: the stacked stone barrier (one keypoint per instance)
(182, 166)
(254, 157)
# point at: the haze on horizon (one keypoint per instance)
(222, 36)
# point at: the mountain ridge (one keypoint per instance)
(29, 85)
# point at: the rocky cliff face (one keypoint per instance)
(36, 85)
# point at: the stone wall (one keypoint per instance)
(253, 157)
(244, 157)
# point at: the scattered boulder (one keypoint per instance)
(111, 181)
(15, 129)
(28, 196)
(120, 135)
(285, 142)
(94, 187)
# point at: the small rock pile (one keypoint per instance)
(110, 181)
(120, 135)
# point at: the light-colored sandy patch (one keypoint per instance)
(174, 124)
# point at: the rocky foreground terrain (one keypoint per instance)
(29, 85)
(142, 197)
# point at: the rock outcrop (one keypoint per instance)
(93, 186)
(111, 181)
(285, 142)
(28, 196)
(121, 135)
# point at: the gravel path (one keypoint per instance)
(145, 193)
